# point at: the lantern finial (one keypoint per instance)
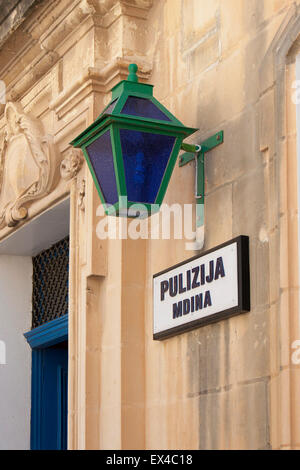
(132, 77)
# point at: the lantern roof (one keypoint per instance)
(133, 104)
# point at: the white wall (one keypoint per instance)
(16, 253)
(15, 375)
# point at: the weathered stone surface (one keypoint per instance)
(218, 218)
(237, 156)
(12, 13)
(215, 65)
(249, 204)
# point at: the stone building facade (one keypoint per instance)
(230, 65)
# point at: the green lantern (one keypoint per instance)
(131, 149)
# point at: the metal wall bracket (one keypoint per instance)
(197, 153)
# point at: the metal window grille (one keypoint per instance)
(50, 283)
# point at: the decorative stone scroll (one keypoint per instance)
(27, 163)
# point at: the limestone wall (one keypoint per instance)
(216, 65)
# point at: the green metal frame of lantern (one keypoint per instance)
(113, 120)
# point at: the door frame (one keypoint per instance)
(53, 332)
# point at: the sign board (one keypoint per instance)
(202, 290)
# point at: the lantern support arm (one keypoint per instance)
(197, 153)
(191, 148)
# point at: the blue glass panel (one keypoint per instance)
(144, 108)
(110, 108)
(145, 158)
(101, 157)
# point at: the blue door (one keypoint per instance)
(49, 411)
(48, 339)
(54, 396)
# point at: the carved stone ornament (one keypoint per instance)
(81, 195)
(71, 164)
(26, 171)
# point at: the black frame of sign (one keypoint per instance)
(244, 304)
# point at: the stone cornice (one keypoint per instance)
(117, 8)
(63, 25)
(103, 7)
(97, 80)
(12, 14)
(42, 34)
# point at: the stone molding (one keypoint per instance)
(43, 33)
(97, 80)
(81, 195)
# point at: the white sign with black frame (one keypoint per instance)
(202, 290)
